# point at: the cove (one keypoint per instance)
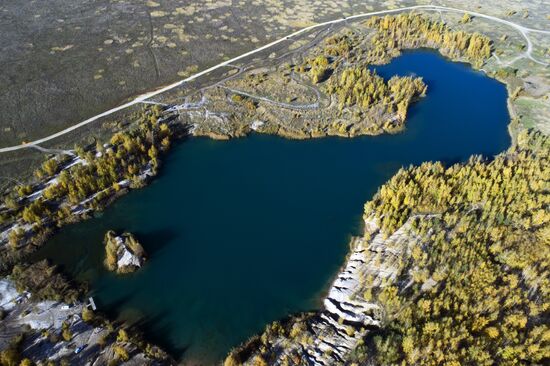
(244, 232)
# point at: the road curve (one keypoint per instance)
(142, 98)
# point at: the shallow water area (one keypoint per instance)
(244, 232)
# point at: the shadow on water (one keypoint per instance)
(115, 304)
(135, 318)
(154, 241)
(176, 350)
(244, 232)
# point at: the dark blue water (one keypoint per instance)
(244, 232)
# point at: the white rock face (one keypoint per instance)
(347, 315)
(128, 258)
(256, 125)
(49, 314)
(8, 295)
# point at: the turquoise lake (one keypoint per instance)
(244, 232)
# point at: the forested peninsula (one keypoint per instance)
(69, 187)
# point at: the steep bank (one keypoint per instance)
(350, 311)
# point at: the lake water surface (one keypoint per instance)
(244, 232)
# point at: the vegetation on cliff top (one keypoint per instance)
(409, 30)
(485, 257)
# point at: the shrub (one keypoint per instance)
(122, 336)
(87, 315)
(121, 353)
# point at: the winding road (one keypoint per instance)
(524, 31)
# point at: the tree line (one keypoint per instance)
(361, 87)
(411, 30)
(485, 253)
(98, 175)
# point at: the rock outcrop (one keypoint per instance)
(329, 336)
(123, 253)
(56, 332)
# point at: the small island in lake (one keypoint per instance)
(123, 253)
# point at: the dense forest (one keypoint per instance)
(44, 281)
(364, 88)
(485, 256)
(411, 30)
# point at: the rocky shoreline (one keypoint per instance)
(349, 310)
